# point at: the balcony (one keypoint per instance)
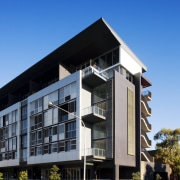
(145, 107)
(145, 156)
(95, 153)
(145, 125)
(145, 142)
(147, 95)
(93, 114)
(94, 76)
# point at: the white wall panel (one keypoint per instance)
(129, 63)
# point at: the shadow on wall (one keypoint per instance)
(160, 169)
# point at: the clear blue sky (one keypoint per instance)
(29, 30)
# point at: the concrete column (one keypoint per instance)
(116, 172)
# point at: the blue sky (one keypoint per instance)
(29, 30)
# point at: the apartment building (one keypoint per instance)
(97, 124)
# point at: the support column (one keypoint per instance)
(116, 172)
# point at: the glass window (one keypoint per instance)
(55, 115)
(24, 126)
(36, 106)
(61, 131)
(54, 147)
(39, 137)
(14, 143)
(68, 147)
(48, 118)
(24, 141)
(33, 138)
(53, 97)
(73, 144)
(99, 130)
(73, 90)
(71, 129)
(61, 146)
(46, 149)
(38, 150)
(32, 152)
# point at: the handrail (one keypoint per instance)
(146, 137)
(94, 70)
(96, 152)
(147, 155)
(146, 121)
(147, 94)
(143, 100)
(95, 110)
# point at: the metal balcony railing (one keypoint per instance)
(93, 110)
(94, 70)
(146, 106)
(147, 95)
(147, 140)
(95, 152)
(146, 155)
(146, 123)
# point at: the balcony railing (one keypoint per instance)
(146, 126)
(146, 139)
(146, 106)
(95, 152)
(94, 70)
(146, 155)
(93, 110)
(147, 95)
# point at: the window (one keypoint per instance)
(38, 150)
(68, 148)
(33, 138)
(99, 130)
(24, 112)
(45, 149)
(54, 147)
(61, 146)
(53, 97)
(39, 137)
(67, 93)
(73, 144)
(32, 151)
(48, 118)
(24, 126)
(36, 106)
(54, 130)
(24, 141)
(61, 131)
(71, 129)
(24, 155)
(36, 122)
(70, 107)
(70, 145)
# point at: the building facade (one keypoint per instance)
(99, 117)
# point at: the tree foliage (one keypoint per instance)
(168, 149)
(136, 176)
(23, 175)
(1, 176)
(54, 175)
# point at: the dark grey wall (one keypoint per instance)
(121, 156)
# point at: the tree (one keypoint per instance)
(54, 175)
(1, 176)
(168, 149)
(23, 175)
(158, 177)
(136, 176)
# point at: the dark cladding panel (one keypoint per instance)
(121, 155)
